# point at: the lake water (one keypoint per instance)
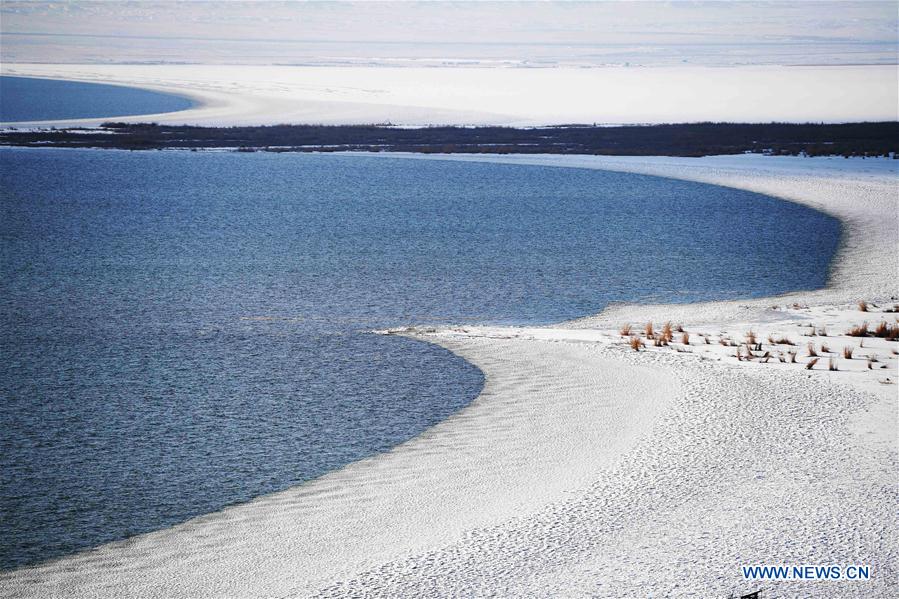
(28, 99)
(183, 331)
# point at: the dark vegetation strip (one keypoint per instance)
(695, 139)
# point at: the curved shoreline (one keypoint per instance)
(228, 107)
(199, 102)
(845, 280)
(533, 489)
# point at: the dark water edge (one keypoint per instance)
(33, 99)
(185, 331)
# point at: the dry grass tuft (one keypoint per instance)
(811, 363)
(887, 331)
(685, 338)
(792, 355)
(782, 341)
(832, 365)
(825, 349)
(863, 306)
(822, 332)
(750, 337)
(847, 352)
(667, 332)
(648, 330)
(858, 331)
(637, 343)
(871, 362)
(625, 331)
(679, 328)
(811, 350)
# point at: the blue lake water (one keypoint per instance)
(28, 99)
(183, 331)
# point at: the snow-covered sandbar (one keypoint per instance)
(588, 468)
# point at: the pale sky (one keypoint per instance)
(444, 33)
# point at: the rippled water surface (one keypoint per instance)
(183, 331)
(28, 99)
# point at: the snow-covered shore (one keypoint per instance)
(588, 468)
(418, 96)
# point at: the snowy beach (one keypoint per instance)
(229, 95)
(588, 468)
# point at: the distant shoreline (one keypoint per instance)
(233, 95)
(196, 101)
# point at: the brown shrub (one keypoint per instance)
(859, 330)
(887, 331)
(667, 333)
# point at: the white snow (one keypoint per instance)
(260, 95)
